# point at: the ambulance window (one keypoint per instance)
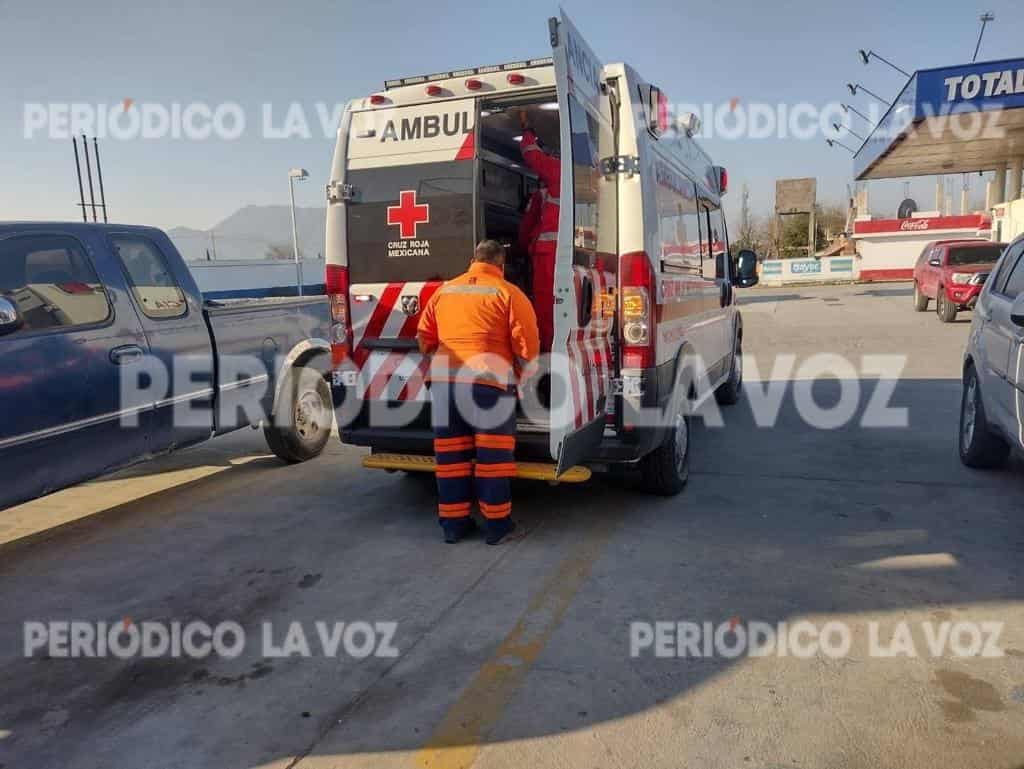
(594, 236)
(679, 227)
(410, 222)
(719, 243)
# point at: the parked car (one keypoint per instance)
(952, 273)
(992, 407)
(109, 355)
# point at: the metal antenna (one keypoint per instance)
(99, 174)
(88, 171)
(78, 170)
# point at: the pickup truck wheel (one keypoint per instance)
(302, 425)
(920, 300)
(945, 309)
(728, 393)
(979, 446)
(666, 469)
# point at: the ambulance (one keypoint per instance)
(645, 317)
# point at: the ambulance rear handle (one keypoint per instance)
(586, 308)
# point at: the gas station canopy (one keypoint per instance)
(949, 120)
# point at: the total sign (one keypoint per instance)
(989, 85)
(1000, 82)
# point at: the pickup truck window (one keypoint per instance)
(52, 283)
(155, 289)
(1015, 281)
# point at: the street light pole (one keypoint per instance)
(293, 174)
(985, 18)
(854, 87)
(855, 111)
(837, 143)
(865, 56)
(839, 129)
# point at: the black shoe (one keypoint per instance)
(498, 529)
(456, 528)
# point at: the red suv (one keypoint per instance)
(952, 273)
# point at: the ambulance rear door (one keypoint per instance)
(582, 361)
(410, 226)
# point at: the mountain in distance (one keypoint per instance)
(255, 232)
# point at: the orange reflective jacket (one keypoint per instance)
(479, 328)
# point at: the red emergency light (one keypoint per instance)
(337, 286)
(514, 78)
(473, 84)
(434, 90)
(378, 98)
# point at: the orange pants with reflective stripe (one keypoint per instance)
(474, 445)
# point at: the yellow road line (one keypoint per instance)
(455, 743)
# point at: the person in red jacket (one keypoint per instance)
(544, 242)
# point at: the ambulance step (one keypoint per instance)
(533, 471)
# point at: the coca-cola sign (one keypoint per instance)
(914, 225)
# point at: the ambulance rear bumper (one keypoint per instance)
(631, 438)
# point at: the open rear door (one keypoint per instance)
(587, 258)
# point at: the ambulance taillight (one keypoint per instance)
(337, 285)
(637, 296)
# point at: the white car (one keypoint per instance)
(992, 407)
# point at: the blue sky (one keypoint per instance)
(329, 51)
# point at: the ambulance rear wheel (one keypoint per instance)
(666, 469)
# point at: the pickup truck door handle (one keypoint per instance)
(128, 353)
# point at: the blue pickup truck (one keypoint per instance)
(109, 355)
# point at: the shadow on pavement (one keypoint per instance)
(777, 523)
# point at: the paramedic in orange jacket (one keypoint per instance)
(481, 332)
(543, 245)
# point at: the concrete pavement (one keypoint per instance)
(520, 655)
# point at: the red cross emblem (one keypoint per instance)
(407, 214)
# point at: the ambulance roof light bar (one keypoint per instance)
(422, 79)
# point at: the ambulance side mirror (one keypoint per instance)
(746, 268)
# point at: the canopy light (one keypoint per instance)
(512, 65)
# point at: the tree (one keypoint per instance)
(753, 233)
